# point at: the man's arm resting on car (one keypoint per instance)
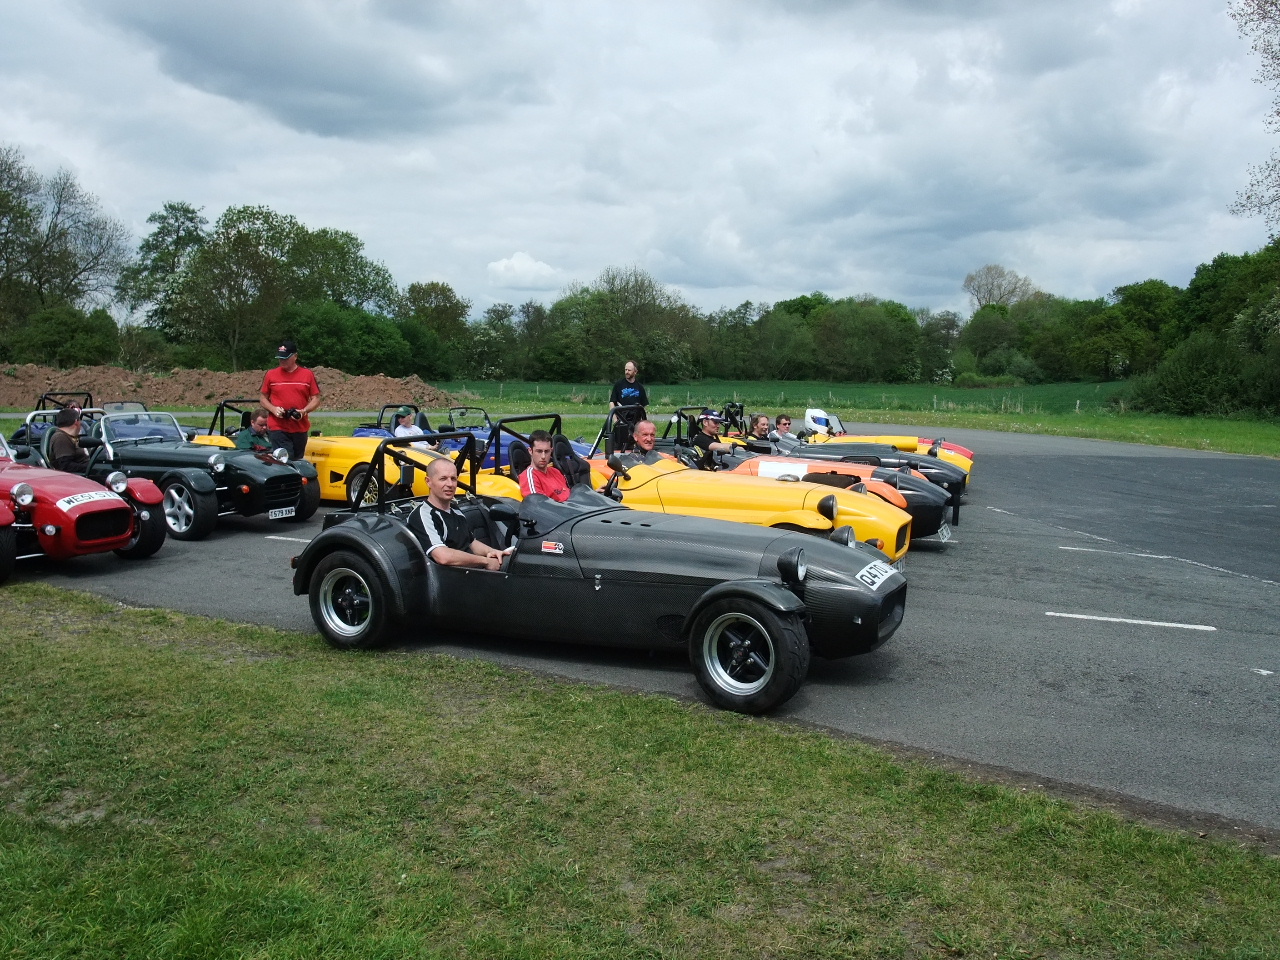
(476, 555)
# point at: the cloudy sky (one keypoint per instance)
(755, 149)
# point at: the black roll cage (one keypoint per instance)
(388, 449)
(611, 419)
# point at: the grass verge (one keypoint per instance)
(176, 787)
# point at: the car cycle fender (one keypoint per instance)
(305, 468)
(392, 551)
(7, 516)
(768, 592)
(808, 520)
(196, 479)
(141, 490)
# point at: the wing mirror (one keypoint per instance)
(90, 443)
(615, 464)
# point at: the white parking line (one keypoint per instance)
(290, 539)
(1141, 623)
(1165, 556)
(1264, 673)
(1079, 533)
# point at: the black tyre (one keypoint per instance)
(148, 533)
(354, 479)
(308, 502)
(747, 657)
(349, 601)
(189, 514)
(8, 551)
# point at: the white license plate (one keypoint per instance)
(875, 573)
(280, 513)
(944, 532)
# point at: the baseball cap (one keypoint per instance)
(405, 412)
(709, 414)
(287, 349)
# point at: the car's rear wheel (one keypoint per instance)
(148, 533)
(189, 514)
(308, 501)
(8, 551)
(747, 657)
(354, 479)
(349, 601)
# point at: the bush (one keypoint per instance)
(63, 336)
(1205, 374)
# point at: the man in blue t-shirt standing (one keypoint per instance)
(629, 391)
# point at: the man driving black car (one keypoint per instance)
(448, 541)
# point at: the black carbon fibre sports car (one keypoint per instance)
(750, 604)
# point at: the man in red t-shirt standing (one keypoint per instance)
(289, 393)
(542, 477)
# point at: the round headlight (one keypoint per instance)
(217, 462)
(802, 568)
(23, 495)
(117, 481)
(281, 454)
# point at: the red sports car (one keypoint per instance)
(49, 513)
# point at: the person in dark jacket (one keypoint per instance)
(65, 452)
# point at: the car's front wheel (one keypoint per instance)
(308, 501)
(354, 480)
(349, 601)
(189, 514)
(747, 657)
(148, 533)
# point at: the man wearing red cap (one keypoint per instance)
(289, 393)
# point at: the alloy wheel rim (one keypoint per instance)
(179, 508)
(345, 603)
(738, 653)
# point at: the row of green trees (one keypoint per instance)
(222, 294)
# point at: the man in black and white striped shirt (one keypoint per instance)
(443, 530)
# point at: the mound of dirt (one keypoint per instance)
(21, 386)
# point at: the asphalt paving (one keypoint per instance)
(1106, 616)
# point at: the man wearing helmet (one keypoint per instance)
(707, 439)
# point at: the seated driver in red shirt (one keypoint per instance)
(542, 476)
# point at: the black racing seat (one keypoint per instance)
(518, 455)
(423, 423)
(576, 470)
(830, 479)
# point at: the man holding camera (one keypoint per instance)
(289, 393)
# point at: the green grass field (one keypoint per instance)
(172, 787)
(779, 395)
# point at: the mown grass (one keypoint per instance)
(175, 787)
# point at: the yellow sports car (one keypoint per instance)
(671, 487)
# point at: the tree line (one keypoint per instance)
(221, 294)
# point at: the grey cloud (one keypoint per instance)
(327, 72)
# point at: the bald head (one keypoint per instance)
(439, 466)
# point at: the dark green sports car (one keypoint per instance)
(200, 483)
